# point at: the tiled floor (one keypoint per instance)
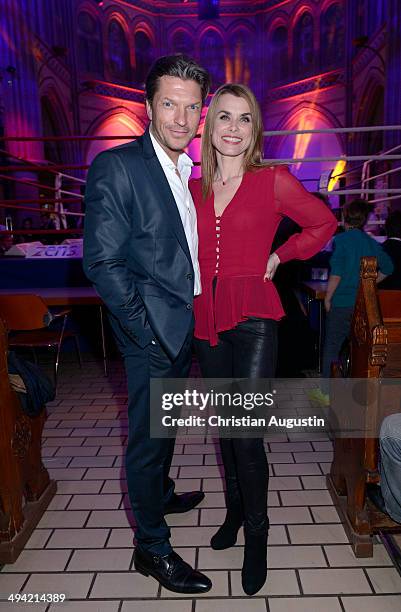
(83, 544)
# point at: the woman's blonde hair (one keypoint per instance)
(253, 155)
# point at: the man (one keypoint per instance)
(140, 251)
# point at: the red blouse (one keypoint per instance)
(235, 247)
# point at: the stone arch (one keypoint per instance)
(332, 36)
(308, 116)
(303, 33)
(143, 55)
(278, 53)
(117, 47)
(181, 40)
(90, 43)
(212, 56)
(117, 122)
(240, 58)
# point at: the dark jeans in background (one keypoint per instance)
(337, 329)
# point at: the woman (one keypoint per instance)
(240, 202)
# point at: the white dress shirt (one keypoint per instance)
(178, 177)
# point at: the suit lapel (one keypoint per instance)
(164, 191)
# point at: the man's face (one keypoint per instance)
(175, 114)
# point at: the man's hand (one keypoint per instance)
(333, 282)
(272, 265)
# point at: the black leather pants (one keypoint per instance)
(247, 351)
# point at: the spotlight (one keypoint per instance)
(99, 2)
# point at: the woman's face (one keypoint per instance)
(232, 126)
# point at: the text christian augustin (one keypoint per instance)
(193, 399)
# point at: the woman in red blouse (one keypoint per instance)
(240, 202)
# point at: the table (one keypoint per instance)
(20, 272)
(316, 291)
(68, 296)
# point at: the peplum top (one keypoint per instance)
(235, 247)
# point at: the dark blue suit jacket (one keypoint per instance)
(135, 250)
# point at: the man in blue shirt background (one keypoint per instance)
(348, 248)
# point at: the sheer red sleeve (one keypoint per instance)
(316, 220)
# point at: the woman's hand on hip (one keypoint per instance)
(272, 265)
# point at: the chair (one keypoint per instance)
(29, 321)
(25, 486)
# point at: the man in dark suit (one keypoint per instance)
(141, 253)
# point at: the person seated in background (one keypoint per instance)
(6, 241)
(387, 495)
(27, 224)
(392, 246)
(342, 287)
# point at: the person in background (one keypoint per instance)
(240, 202)
(6, 241)
(392, 246)
(348, 248)
(387, 495)
(27, 224)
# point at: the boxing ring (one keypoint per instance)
(55, 193)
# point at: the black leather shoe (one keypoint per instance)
(172, 572)
(184, 502)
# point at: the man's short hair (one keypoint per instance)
(356, 213)
(180, 66)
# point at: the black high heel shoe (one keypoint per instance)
(226, 535)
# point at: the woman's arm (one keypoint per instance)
(315, 218)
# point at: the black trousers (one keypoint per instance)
(247, 351)
(148, 460)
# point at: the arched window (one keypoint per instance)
(212, 56)
(119, 60)
(90, 44)
(332, 37)
(182, 42)
(240, 57)
(143, 57)
(279, 55)
(303, 46)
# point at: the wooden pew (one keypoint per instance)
(375, 353)
(25, 486)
